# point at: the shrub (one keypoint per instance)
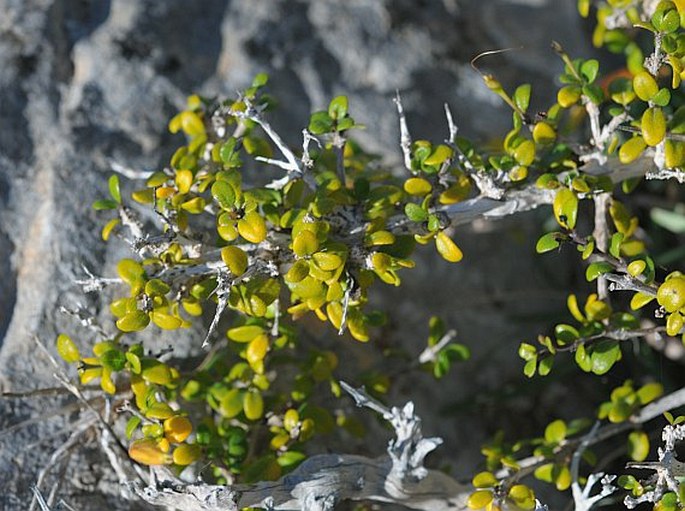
(259, 251)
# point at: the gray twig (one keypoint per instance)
(405, 137)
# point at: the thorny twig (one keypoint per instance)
(64, 380)
(128, 172)
(222, 292)
(86, 319)
(59, 453)
(430, 353)
(93, 283)
(410, 448)
(405, 137)
(581, 496)
(668, 468)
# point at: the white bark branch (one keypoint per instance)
(323, 481)
(405, 137)
(318, 484)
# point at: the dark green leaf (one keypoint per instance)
(113, 359)
(320, 123)
(566, 334)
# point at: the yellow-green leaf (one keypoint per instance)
(479, 499)
(165, 321)
(194, 206)
(447, 248)
(543, 133)
(244, 333)
(439, 155)
(568, 95)
(631, 150)
(130, 271)
(184, 180)
(638, 445)
(674, 151)
(235, 259)
(653, 126)
(674, 324)
(297, 272)
(252, 227)
(256, 350)
(566, 208)
(645, 85)
(185, 454)
(191, 123)
(109, 227)
(637, 267)
(327, 261)
(417, 186)
(305, 243)
(133, 321)
(158, 373)
(66, 348)
(639, 300)
(524, 153)
(231, 403)
(253, 404)
(484, 480)
(379, 238)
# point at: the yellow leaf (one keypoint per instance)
(566, 208)
(67, 349)
(177, 428)
(109, 227)
(185, 454)
(305, 243)
(256, 350)
(253, 405)
(252, 227)
(235, 259)
(244, 333)
(447, 248)
(147, 452)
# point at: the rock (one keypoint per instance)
(87, 82)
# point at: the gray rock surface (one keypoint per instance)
(86, 81)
